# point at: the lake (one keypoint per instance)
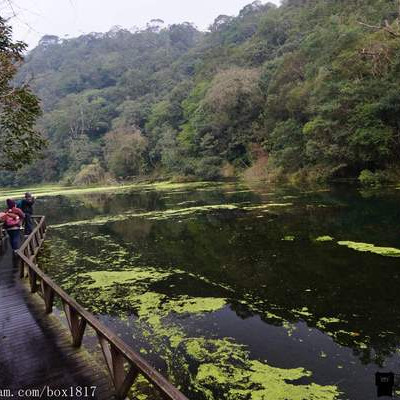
(239, 291)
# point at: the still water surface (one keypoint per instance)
(239, 292)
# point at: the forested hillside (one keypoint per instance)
(307, 90)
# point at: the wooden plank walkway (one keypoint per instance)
(35, 348)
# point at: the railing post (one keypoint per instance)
(21, 268)
(117, 366)
(32, 280)
(37, 243)
(115, 362)
(76, 324)
(48, 296)
(24, 266)
(130, 378)
(31, 250)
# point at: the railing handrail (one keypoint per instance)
(117, 347)
(40, 224)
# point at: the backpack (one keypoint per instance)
(9, 221)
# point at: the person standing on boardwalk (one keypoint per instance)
(12, 221)
(26, 205)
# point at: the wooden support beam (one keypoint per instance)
(33, 280)
(105, 348)
(115, 360)
(31, 248)
(76, 324)
(118, 366)
(37, 243)
(21, 267)
(48, 296)
(129, 380)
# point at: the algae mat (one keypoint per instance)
(209, 365)
(238, 292)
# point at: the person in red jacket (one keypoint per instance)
(12, 221)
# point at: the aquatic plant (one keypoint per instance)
(151, 215)
(225, 367)
(222, 364)
(366, 247)
(324, 239)
(289, 238)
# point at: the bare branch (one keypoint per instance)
(370, 26)
(12, 8)
(387, 28)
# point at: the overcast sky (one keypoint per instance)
(70, 18)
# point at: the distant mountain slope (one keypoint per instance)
(308, 90)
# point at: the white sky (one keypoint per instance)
(35, 18)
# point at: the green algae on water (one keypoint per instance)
(323, 322)
(151, 215)
(197, 305)
(289, 238)
(190, 211)
(107, 279)
(127, 288)
(366, 247)
(152, 307)
(266, 206)
(224, 366)
(324, 239)
(222, 363)
(304, 312)
(56, 190)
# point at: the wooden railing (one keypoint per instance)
(123, 363)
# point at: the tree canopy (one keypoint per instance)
(20, 143)
(307, 89)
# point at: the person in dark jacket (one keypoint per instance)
(12, 221)
(26, 205)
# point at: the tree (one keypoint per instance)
(125, 153)
(90, 174)
(230, 107)
(312, 82)
(20, 143)
(220, 22)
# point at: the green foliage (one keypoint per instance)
(286, 142)
(313, 84)
(368, 178)
(20, 143)
(90, 174)
(125, 153)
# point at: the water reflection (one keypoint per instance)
(294, 302)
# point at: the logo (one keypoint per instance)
(384, 382)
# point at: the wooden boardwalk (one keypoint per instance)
(37, 354)
(35, 348)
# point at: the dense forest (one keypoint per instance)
(305, 91)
